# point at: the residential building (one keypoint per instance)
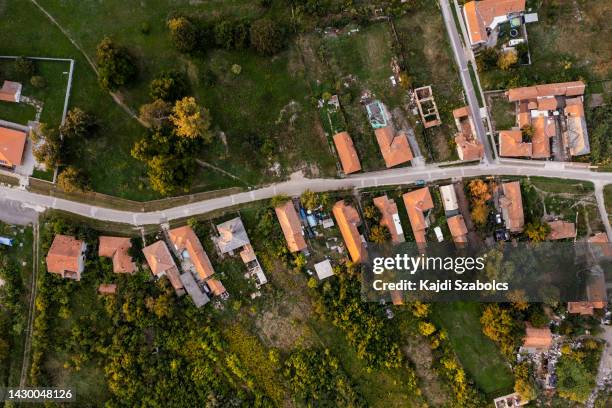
(458, 229)
(417, 203)
(511, 144)
(324, 269)
(117, 249)
(511, 204)
(66, 257)
(449, 199)
(291, 226)
(195, 292)
(561, 230)
(347, 153)
(576, 136)
(483, 18)
(161, 263)
(192, 254)
(12, 146)
(348, 220)
(468, 145)
(390, 218)
(10, 92)
(599, 244)
(394, 146)
(107, 289)
(252, 263)
(537, 340)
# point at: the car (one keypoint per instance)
(498, 218)
(419, 183)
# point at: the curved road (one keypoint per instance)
(296, 186)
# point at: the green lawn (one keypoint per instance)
(479, 356)
(17, 112)
(502, 113)
(608, 198)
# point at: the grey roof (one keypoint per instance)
(199, 297)
(232, 235)
(324, 269)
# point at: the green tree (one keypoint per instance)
(48, 149)
(115, 65)
(190, 119)
(379, 234)
(72, 179)
(279, 200)
(169, 86)
(537, 231)
(25, 67)
(266, 37)
(183, 33)
(507, 60)
(78, 124)
(309, 200)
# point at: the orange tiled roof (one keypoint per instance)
(462, 112)
(539, 91)
(394, 147)
(537, 338)
(561, 230)
(348, 219)
(12, 145)
(547, 103)
(511, 144)
(512, 206)
(578, 139)
(117, 248)
(65, 255)
(10, 91)
(480, 15)
(347, 153)
(543, 130)
(291, 226)
(216, 286)
(388, 209)
(457, 228)
(107, 288)
(601, 241)
(160, 261)
(184, 239)
(584, 308)
(417, 202)
(468, 148)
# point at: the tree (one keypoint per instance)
(191, 120)
(507, 60)
(168, 174)
(115, 65)
(498, 325)
(309, 200)
(279, 200)
(371, 213)
(169, 86)
(156, 113)
(523, 383)
(224, 34)
(379, 234)
(48, 149)
(72, 179)
(25, 67)
(78, 124)
(487, 59)
(38, 81)
(183, 33)
(480, 213)
(266, 37)
(537, 231)
(527, 133)
(479, 191)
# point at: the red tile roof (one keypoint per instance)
(537, 338)
(458, 229)
(347, 153)
(184, 239)
(291, 226)
(512, 206)
(394, 147)
(511, 144)
(480, 15)
(417, 202)
(66, 255)
(388, 209)
(10, 91)
(539, 91)
(348, 220)
(12, 145)
(161, 263)
(561, 230)
(117, 248)
(107, 289)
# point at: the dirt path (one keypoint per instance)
(25, 364)
(220, 170)
(93, 66)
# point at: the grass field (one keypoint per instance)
(479, 356)
(502, 112)
(17, 112)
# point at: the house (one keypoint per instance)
(537, 340)
(417, 203)
(393, 146)
(458, 229)
(511, 144)
(511, 204)
(232, 237)
(161, 263)
(347, 153)
(291, 226)
(390, 218)
(117, 249)
(510, 401)
(195, 292)
(449, 199)
(66, 257)
(12, 146)
(468, 145)
(216, 287)
(541, 106)
(561, 230)
(600, 246)
(348, 220)
(483, 17)
(10, 92)
(107, 289)
(324, 269)
(192, 253)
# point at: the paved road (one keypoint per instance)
(16, 213)
(296, 186)
(602, 208)
(466, 80)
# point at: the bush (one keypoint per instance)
(145, 28)
(236, 69)
(184, 34)
(72, 179)
(115, 65)
(25, 67)
(38, 81)
(266, 37)
(170, 86)
(78, 124)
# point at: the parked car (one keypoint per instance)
(419, 183)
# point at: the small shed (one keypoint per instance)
(107, 289)
(324, 269)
